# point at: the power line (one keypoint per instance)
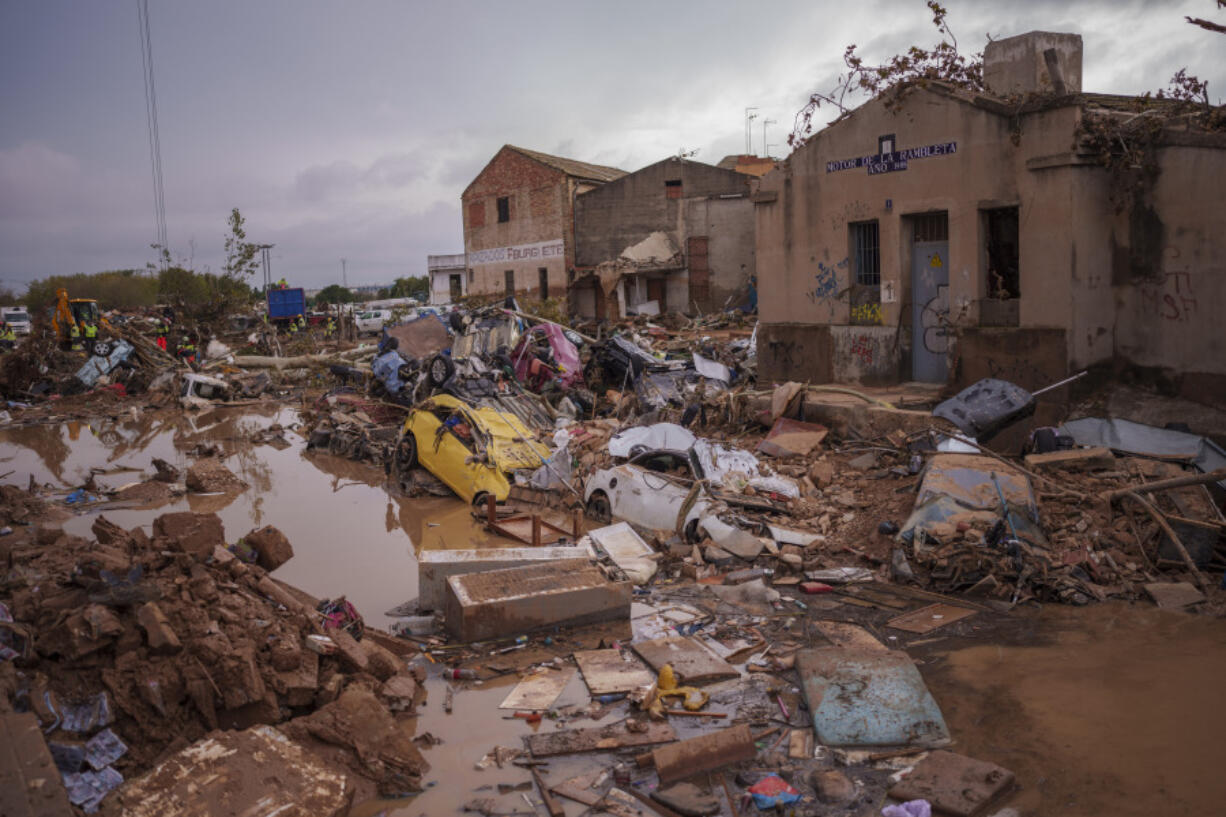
(151, 120)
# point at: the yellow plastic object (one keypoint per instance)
(666, 685)
(499, 445)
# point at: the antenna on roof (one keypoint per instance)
(749, 118)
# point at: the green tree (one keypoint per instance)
(334, 294)
(416, 286)
(240, 253)
(113, 289)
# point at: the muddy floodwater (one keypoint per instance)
(1110, 709)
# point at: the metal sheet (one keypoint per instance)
(1138, 438)
(869, 698)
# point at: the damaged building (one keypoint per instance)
(677, 235)
(519, 222)
(937, 234)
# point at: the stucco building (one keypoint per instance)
(447, 277)
(519, 222)
(944, 234)
(677, 236)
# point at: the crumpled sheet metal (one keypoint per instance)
(1138, 438)
(869, 698)
(97, 366)
(958, 487)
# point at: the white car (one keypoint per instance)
(651, 490)
(373, 320)
(16, 317)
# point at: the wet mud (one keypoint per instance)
(1109, 709)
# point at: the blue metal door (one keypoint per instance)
(930, 311)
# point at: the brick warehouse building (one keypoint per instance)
(519, 222)
(946, 235)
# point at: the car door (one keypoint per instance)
(443, 454)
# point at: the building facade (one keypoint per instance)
(676, 236)
(941, 235)
(448, 276)
(519, 222)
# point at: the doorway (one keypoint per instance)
(457, 287)
(930, 297)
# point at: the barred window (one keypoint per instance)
(866, 253)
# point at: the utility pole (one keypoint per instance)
(749, 118)
(344, 275)
(765, 122)
(267, 259)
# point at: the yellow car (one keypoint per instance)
(473, 450)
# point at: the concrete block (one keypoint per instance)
(194, 533)
(257, 771)
(434, 567)
(271, 547)
(499, 603)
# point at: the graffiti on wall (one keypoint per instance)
(1173, 300)
(826, 281)
(934, 320)
(788, 354)
(862, 348)
(866, 314)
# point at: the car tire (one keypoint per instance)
(405, 457)
(480, 499)
(440, 370)
(598, 507)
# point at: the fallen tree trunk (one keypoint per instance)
(296, 362)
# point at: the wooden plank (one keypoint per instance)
(1075, 459)
(30, 784)
(602, 738)
(704, 753)
(927, 619)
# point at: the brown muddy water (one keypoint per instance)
(1105, 710)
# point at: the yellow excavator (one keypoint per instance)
(75, 310)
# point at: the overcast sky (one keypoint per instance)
(350, 129)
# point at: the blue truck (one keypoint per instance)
(286, 304)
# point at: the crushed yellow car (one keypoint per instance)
(473, 450)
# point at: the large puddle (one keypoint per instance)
(1110, 709)
(1115, 711)
(351, 536)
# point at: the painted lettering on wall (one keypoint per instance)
(893, 161)
(826, 281)
(1173, 299)
(866, 314)
(521, 252)
(862, 348)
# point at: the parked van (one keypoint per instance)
(17, 317)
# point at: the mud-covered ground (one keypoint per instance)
(1103, 709)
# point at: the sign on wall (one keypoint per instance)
(894, 160)
(541, 250)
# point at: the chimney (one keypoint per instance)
(1033, 63)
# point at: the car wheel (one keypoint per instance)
(406, 453)
(598, 508)
(102, 348)
(440, 371)
(479, 501)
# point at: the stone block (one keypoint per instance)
(434, 567)
(271, 547)
(194, 533)
(499, 603)
(161, 636)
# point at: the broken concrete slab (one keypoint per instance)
(611, 671)
(704, 753)
(194, 533)
(845, 634)
(687, 799)
(692, 661)
(256, 771)
(30, 783)
(954, 784)
(627, 550)
(792, 438)
(159, 634)
(518, 600)
(1173, 595)
(926, 619)
(271, 547)
(539, 690)
(434, 567)
(209, 476)
(598, 738)
(862, 697)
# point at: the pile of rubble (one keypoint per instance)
(133, 647)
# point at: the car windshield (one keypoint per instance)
(664, 462)
(16, 316)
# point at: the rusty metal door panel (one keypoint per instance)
(869, 698)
